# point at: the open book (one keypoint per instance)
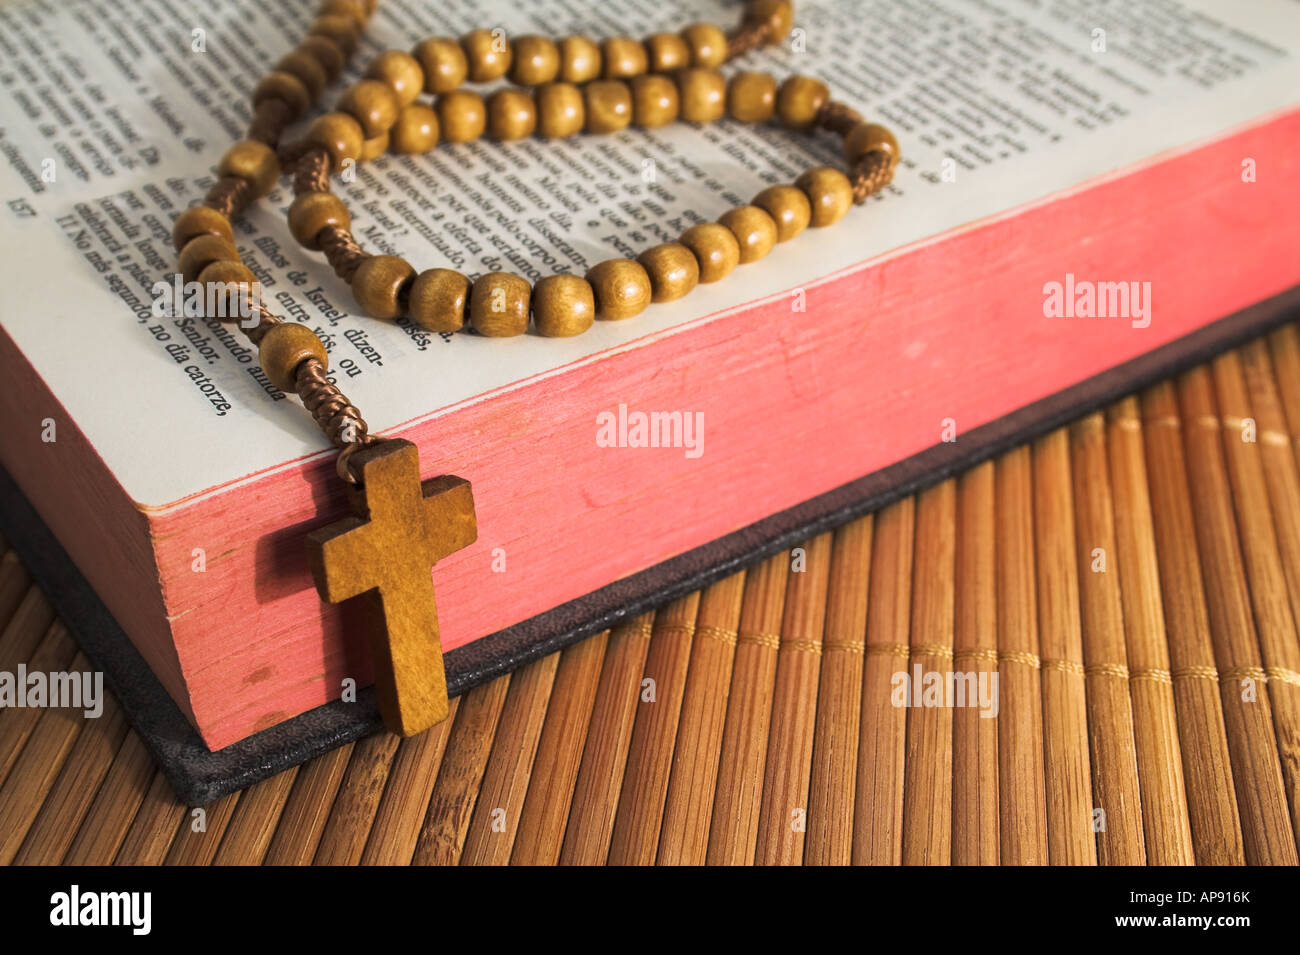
(1080, 186)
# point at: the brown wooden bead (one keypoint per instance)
(339, 135)
(444, 64)
(284, 86)
(830, 194)
(312, 211)
(201, 251)
(621, 288)
(754, 230)
(707, 43)
(715, 248)
(309, 70)
(777, 16)
(378, 283)
(498, 305)
(667, 52)
(751, 97)
(348, 8)
(866, 138)
(673, 270)
(580, 59)
(511, 115)
(609, 106)
(789, 208)
(374, 147)
(535, 60)
(343, 31)
(373, 104)
(654, 101)
(283, 348)
(623, 57)
(416, 130)
(325, 52)
(560, 110)
(200, 220)
(704, 95)
(563, 306)
(438, 299)
(232, 287)
(400, 72)
(800, 99)
(462, 116)
(488, 54)
(254, 162)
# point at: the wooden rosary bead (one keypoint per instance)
(373, 104)
(284, 86)
(416, 130)
(201, 251)
(830, 194)
(309, 70)
(498, 305)
(623, 57)
(312, 211)
(621, 288)
(751, 97)
(462, 116)
(716, 250)
(200, 220)
(866, 138)
(347, 8)
(339, 135)
(378, 283)
(776, 15)
(608, 104)
(800, 99)
(254, 162)
(284, 347)
(325, 52)
(707, 43)
(444, 64)
(400, 72)
(230, 278)
(789, 209)
(536, 60)
(667, 52)
(673, 269)
(560, 110)
(488, 54)
(511, 115)
(704, 95)
(563, 306)
(343, 31)
(654, 101)
(374, 147)
(754, 229)
(438, 299)
(580, 59)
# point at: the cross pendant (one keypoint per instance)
(384, 554)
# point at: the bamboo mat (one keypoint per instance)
(1133, 581)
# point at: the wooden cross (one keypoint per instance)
(385, 554)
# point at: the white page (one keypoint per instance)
(135, 118)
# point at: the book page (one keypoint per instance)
(114, 115)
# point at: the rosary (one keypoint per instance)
(400, 527)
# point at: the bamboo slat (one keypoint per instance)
(829, 840)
